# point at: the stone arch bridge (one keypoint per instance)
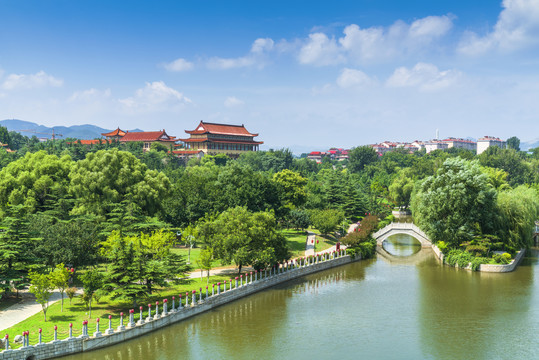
(402, 228)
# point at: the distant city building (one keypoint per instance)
(5, 147)
(338, 154)
(213, 138)
(435, 145)
(460, 144)
(488, 141)
(150, 137)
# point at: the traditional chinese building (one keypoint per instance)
(115, 134)
(150, 137)
(212, 139)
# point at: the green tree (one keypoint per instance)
(31, 180)
(111, 176)
(401, 189)
(247, 238)
(16, 245)
(455, 204)
(41, 287)
(299, 219)
(513, 143)
(328, 220)
(59, 278)
(92, 281)
(519, 210)
(361, 156)
(205, 262)
(292, 185)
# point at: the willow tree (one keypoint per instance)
(455, 204)
(112, 176)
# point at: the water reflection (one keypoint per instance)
(401, 245)
(370, 309)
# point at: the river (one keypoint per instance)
(395, 307)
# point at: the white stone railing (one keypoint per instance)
(167, 312)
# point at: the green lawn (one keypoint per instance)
(296, 241)
(324, 242)
(195, 254)
(77, 312)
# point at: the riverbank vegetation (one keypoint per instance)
(122, 212)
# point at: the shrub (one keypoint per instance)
(442, 246)
(458, 257)
(477, 261)
(367, 249)
(507, 256)
(70, 292)
(501, 259)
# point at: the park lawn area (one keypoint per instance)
(324, 242)
(195, 254)
(77, 312)
(296, 240)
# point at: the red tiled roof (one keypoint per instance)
(90, 142)
(186, 152)
(248, 142)
(147, 136)
(116, 132)
(223, 129)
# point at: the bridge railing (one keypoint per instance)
(399, 226)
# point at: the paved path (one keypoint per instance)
(309, 246)
(26, 308)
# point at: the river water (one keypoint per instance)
(405, 306)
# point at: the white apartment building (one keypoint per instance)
(488, 141)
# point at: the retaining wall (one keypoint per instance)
(491, 268)
(84, 343)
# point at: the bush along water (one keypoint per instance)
(476, 252)
(360, 241)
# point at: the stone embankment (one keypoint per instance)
(171, 312)
(491, 268)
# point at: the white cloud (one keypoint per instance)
(375, 43)
(256, 57)
(426, 77)
(30, 81)
(155, 96)
(517, 27)
(352, 78)
(179, 65)
(320, 50)
(90, 95)
(233, 101)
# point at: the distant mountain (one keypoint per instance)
(85, 132)
(529, 144)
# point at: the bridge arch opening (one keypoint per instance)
(401, 245)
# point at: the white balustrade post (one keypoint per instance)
(165, 305)
(156, 316)
(109, 330)
(71, 330)
(218, 288)
(149, 318)
(121, 327)
(55, 333)
(97, 332)
(40, 339)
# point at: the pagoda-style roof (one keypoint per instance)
(222, 141)
(148, 136)
(118, 133)
(221, 129)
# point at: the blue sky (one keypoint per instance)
(304, 74)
